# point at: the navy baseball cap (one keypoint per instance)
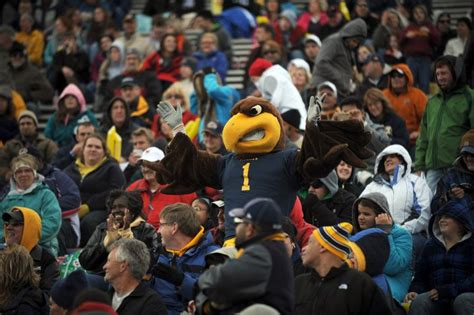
(264, 212)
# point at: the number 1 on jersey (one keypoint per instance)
(245, 174)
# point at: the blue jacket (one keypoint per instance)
(42, 200)
(398, 269)
(192, 264)
(215, 59)
(64, 188)
(224, 98)
(451, 271)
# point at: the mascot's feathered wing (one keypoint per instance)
(258, 165)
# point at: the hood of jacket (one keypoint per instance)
(72, 89)
(331, 182)
(120, 46)
(354, 28)
(31, 228)
(377, 198)
(401, 170)
(275, 71)
(456, 66)
(108, 117)
(457, 209)
(408, 74)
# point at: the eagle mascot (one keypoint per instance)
(258, 164)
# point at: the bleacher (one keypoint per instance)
(241, 47)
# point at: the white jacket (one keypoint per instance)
(276, 85)
(408, 195)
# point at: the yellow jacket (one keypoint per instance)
(34, 43)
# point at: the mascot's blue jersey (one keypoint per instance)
(272, 175)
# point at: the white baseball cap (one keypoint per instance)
(152, 154)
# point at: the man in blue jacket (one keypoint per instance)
(181, 262)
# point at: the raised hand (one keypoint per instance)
(314, 109)
(173, 117)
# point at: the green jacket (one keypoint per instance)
(42, 200)
(446, 119)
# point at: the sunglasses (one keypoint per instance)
(396, 75)
(270, 52)
(13, 223)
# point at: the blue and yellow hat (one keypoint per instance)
(335, 239)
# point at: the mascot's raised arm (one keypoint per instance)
(258, 165)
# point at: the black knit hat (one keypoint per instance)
(292, 117)
(65, 290)
(375, 248)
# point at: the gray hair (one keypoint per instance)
(135, 253)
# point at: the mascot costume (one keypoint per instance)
(258, 165)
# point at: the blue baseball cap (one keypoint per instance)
(264, 212)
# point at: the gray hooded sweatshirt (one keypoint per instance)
(335, 60)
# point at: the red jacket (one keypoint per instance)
(153, 203)
(169, 72)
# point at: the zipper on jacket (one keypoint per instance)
(438, 124)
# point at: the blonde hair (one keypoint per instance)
(176, 88)
(16, 272)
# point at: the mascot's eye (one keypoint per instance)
(255, 110)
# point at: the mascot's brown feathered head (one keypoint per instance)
(255, 127)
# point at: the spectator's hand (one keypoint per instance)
(411, 34)
(173, 117)
(315, 105)
(425, 30)
(457, 192)
(77, 149)
(133, 159)
(434, 295)
(414, 135)
(419, 173)
(410, 297)
(168, 273)
(383, 219)
(111, 224)
(192, 307)
(127, 219)
(384, 20)
(67, 72)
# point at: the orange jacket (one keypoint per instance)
(409, 105)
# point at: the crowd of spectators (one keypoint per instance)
(86, 224)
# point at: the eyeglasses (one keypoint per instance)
(396, 75)
(269, 52)
(13, 223)
(175, 96)
(165, 223)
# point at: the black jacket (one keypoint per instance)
(47, 266)
(94, 255)
(143, 300)
(263, 274)
(30, 300)
(331, 211)
(64, 158)
(398, 129)
(341, 291)
(96, 186)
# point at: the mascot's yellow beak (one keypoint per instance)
(251, 134)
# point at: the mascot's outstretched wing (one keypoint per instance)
(184, 168)
(327, 142)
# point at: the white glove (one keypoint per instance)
(173, 117)
(314, 109)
